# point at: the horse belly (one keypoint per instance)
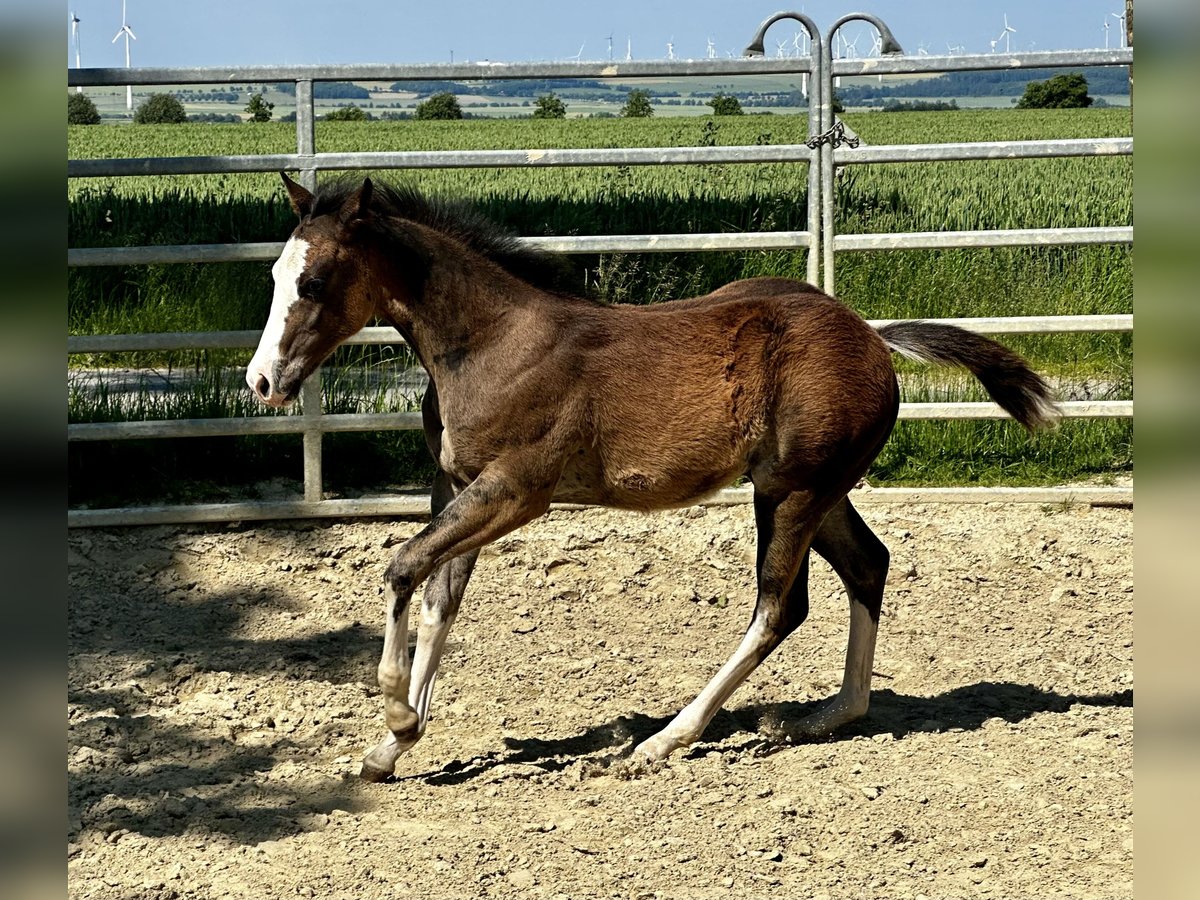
(645, 478)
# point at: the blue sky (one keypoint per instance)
(271, 32)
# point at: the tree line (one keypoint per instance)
(1062, 91)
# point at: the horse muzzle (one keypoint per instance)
(268, 390)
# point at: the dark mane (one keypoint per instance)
(457, 219)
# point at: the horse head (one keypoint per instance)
(322, 293)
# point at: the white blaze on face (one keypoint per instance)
(286, 272)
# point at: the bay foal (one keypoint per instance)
(536, 395)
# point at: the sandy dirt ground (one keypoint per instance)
(221, 692)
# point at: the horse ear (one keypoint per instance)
(357, 206)
(300, 197)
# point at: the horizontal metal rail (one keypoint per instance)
(953, 152)
(440, 159)
(600, 243)
(213, 340)
(417, 505)
(1009, 237)
(467, 71)
(643, 243)
(489, 71)
(1071, 409)
(300, 424)
(242, 425)
(1042, 59)
(626, 156)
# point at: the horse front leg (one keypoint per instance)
(439, 607)
(499, 500)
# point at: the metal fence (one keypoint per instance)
(821, 152)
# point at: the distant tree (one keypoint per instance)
(81, 110)
(836, 104)
(215, 118)
(919, 105)
(259, 108)
(349, 113)
(725, 105)
(548, 106)
(1068, 91)
(160, 109)
(440, 106)
(637, 106)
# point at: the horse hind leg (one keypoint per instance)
(861, 560)
(784, 532)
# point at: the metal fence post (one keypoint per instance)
(816, 90)
(817, 99)
(825, 163)
(829, 140)
(310, 392)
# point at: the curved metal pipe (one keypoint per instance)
(755, 47)
(889, 46)
(816, 102)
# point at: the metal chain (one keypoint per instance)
(834, 137)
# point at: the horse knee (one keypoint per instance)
(401, 578)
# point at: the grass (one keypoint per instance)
(618, 200)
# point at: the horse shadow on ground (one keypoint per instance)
(765, 727)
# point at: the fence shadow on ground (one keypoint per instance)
(135, 644)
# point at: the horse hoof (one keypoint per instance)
(373, 774)
(653, 750)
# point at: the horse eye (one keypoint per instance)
(312, 287)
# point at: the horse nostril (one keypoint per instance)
(263, 387)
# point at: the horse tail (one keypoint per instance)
(1005, 375)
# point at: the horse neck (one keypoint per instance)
(462, 301)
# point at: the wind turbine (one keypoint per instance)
(849, 50)
(628, 48)
(671, 48)
(75, 40)
(877, 50)
(610, 37)
(128, 33)
(1120, 17)
(1008, 30)
(1106, 27)
(801, 51)
(577, 56)
(712, 49)
(780, 52)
